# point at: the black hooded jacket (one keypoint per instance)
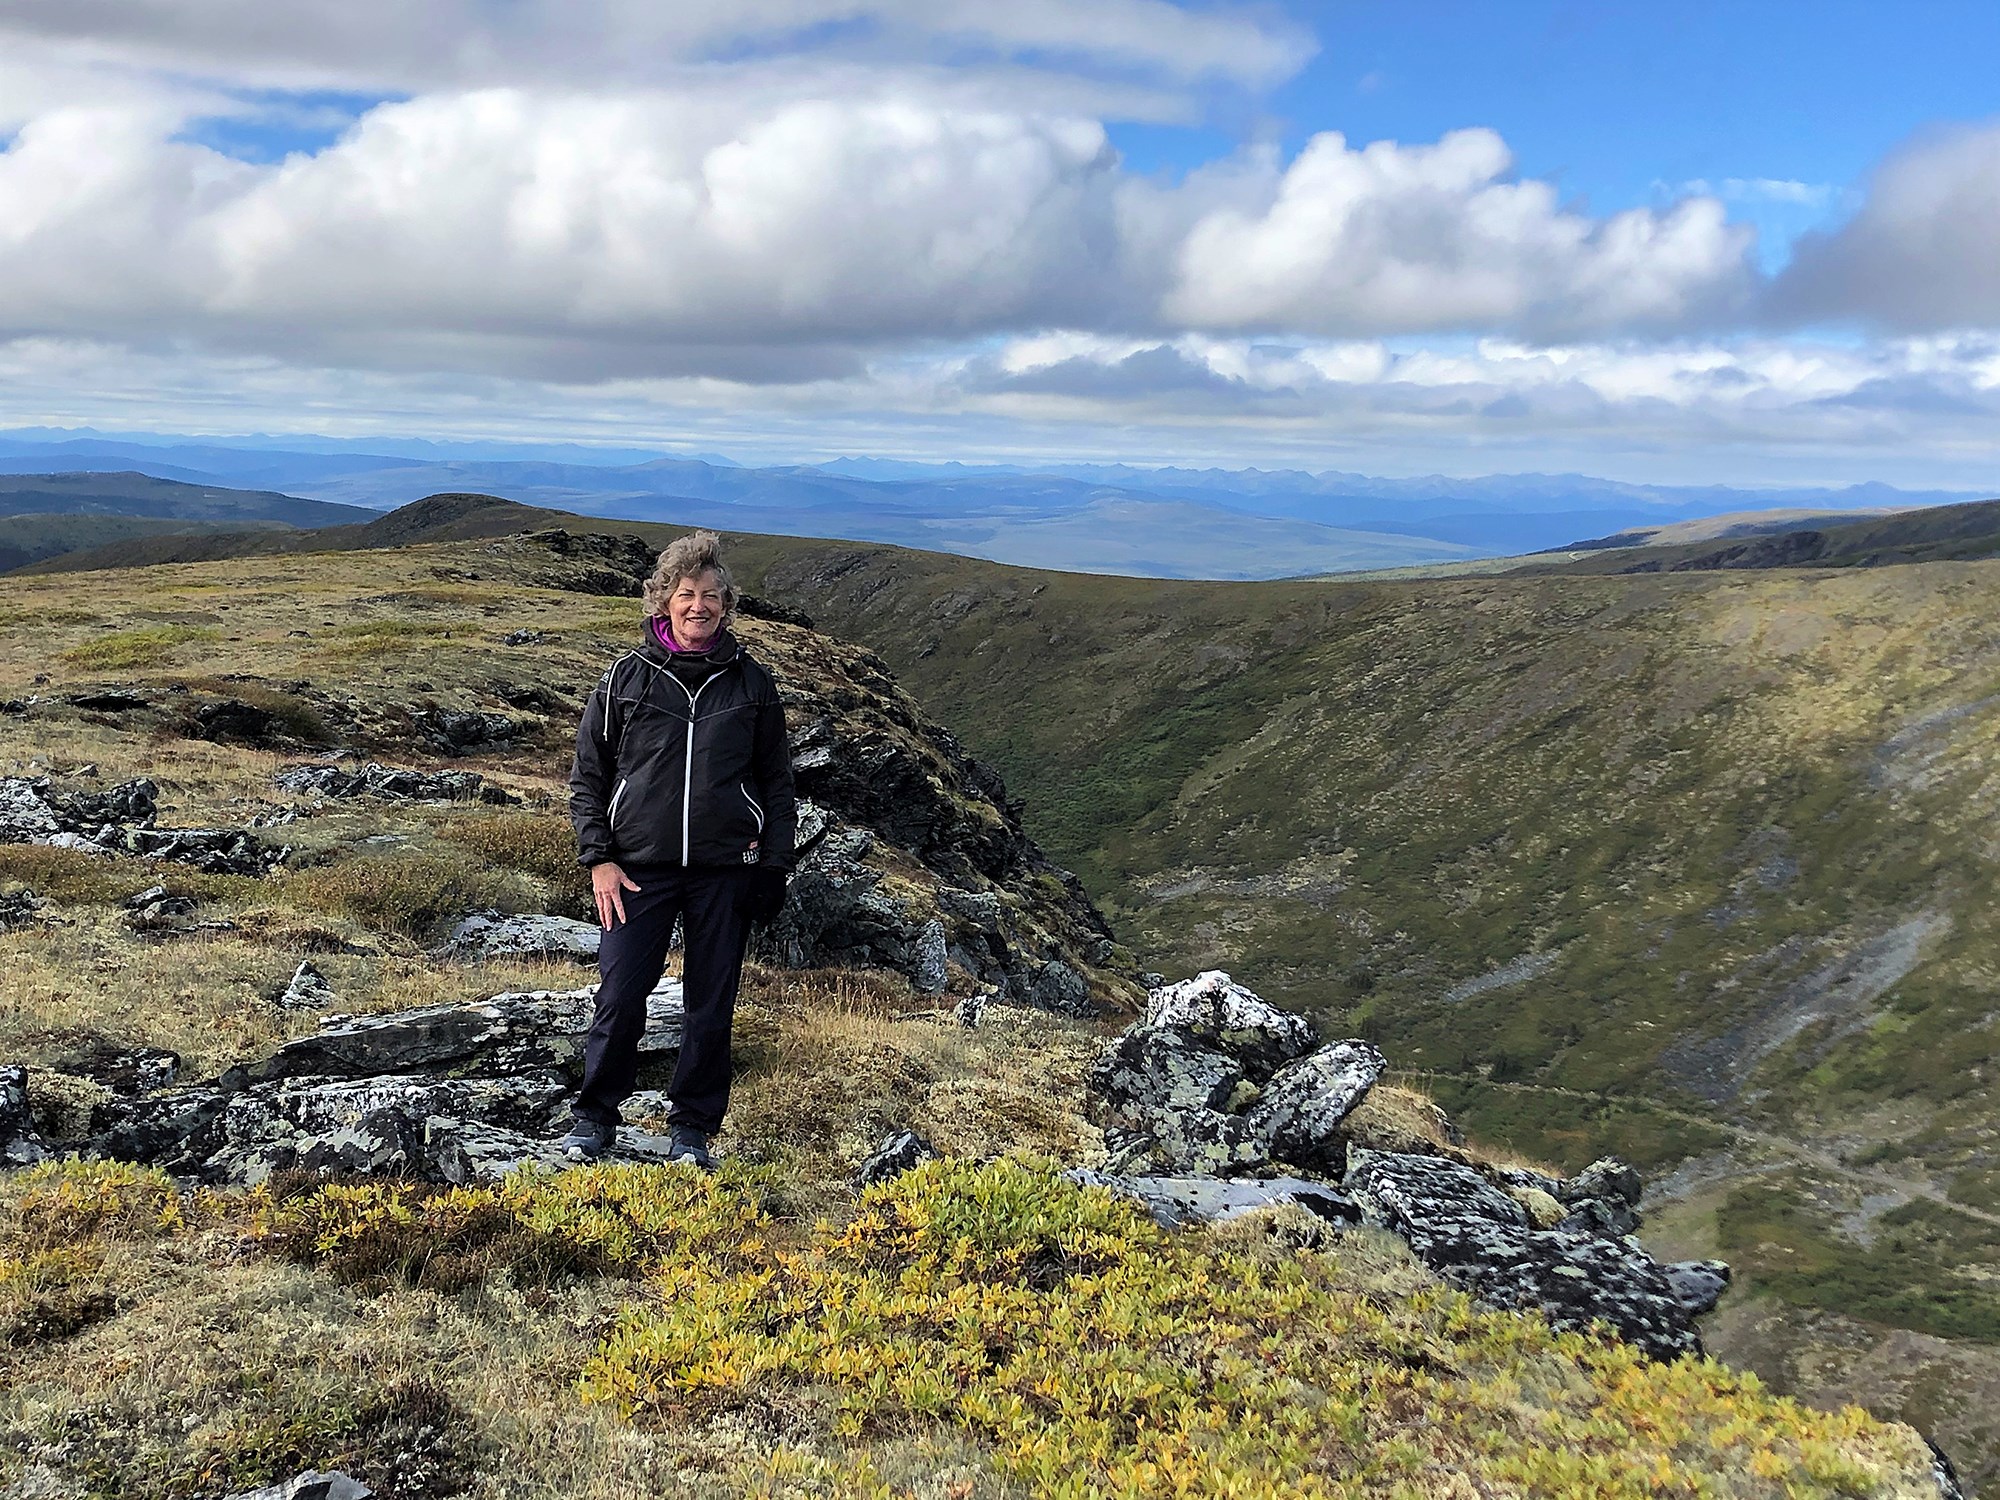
(684, 761)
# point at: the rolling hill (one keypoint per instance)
(1695, 866)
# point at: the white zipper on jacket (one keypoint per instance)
(687, 770)
(745, 790)
(611, 813)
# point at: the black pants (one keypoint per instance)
(630, 960)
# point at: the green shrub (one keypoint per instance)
(413, 894)
(542, 845)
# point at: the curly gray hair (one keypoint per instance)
(690, 556)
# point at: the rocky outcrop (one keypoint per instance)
(911, 853)
(447, 1093)
(1214, 1089)
(898, 1153)
(391, 783)
(120, 820)
(1214, 1079)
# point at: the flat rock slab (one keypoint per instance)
(311, 1485)
(489, 935)
(1175, 1201)
(502, 1034)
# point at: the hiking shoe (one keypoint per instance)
(691, 1145)
(588, 1139)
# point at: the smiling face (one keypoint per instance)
(695, 609)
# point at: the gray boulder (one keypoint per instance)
(1058, 988)
(1223, 1015)
(1189, 1143)
(1301, 1109)
(18, 908)
(1150, 1072)
(489, 935)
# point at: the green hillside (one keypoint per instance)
(1694, 866)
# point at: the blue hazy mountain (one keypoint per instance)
(1114, 518)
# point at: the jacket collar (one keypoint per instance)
(723, 652)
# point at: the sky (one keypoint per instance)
(1706, 242)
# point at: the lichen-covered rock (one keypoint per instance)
(19, 907)
(1223, 1015)
(928, 973)
(1150, 1072)
(1187, 1142)
(1469, 1231)
(898, 1153)
(392, 783)
(487, 935)
(307, 989)
(311, 1485)
(1300, 1111)
(1174, 1201)
(502, 1034)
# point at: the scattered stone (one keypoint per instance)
(1301, 1109)
(458, 731)
(127, 1071)
(897, 1154)
(140, 900)
(153, 913)
(1175, 1201)
(307, 989)
(19, 907)
(311, 1485)
(523, 638)
(392, 784)
(108, 701)
(1215, 1010)
(970, 1011)
(487, 935)
(21, 1145)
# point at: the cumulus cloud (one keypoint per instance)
(695, 230)
(1390, 237)
(1921, 251)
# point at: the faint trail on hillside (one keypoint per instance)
(1784, 1145)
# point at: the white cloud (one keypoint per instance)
(1389, 238)
(1922, 252)
(603, 43)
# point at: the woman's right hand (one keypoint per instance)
(609, 883)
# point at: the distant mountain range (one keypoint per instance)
(1120, 519)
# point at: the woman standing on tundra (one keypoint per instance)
(681, 794)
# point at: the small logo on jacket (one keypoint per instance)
(751, 856)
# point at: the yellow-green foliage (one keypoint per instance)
(147, 645)
(1092, 1354)
(539, 1227)
(409, 893)
(55, 1222)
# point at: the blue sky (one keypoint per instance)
(1692, 242)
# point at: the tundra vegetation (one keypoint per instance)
(978, 1327)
